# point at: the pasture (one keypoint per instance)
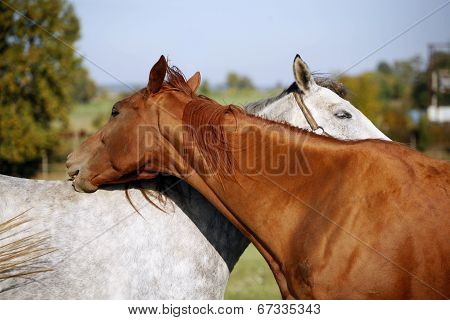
(251, 277)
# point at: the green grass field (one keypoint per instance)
(83, 116)
(251, 277)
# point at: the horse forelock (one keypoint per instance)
(175, 80)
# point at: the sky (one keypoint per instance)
(255, 38)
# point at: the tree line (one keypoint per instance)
(40, 78)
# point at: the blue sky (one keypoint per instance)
(255, 38)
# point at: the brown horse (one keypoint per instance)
(333, 219)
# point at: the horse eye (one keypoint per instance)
(343, 115)
(114, 112)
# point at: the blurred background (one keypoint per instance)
(64, 63)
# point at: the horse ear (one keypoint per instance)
(157, 75)
(194, 81)
(303, 76)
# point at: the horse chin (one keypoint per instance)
(83, 185)
(147, 175)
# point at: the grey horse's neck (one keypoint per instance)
(329, 83)
(257, 106)
(223, 236)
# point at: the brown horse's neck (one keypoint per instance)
(230, 153)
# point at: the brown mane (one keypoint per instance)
(203, 121)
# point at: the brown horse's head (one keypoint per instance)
(120, 150)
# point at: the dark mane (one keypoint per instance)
(333, 85)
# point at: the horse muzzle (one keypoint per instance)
(79, 177)
(81, 184)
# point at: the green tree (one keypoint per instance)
(420, 94)
(232, 80)
(388, 95)
(235, 81)
(384, 67)
(37, 75)
(423, 133)
(364, 92)
(84, 89)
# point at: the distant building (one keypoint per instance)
(439, 114)
(439, 83)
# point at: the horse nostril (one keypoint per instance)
(73, 173)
